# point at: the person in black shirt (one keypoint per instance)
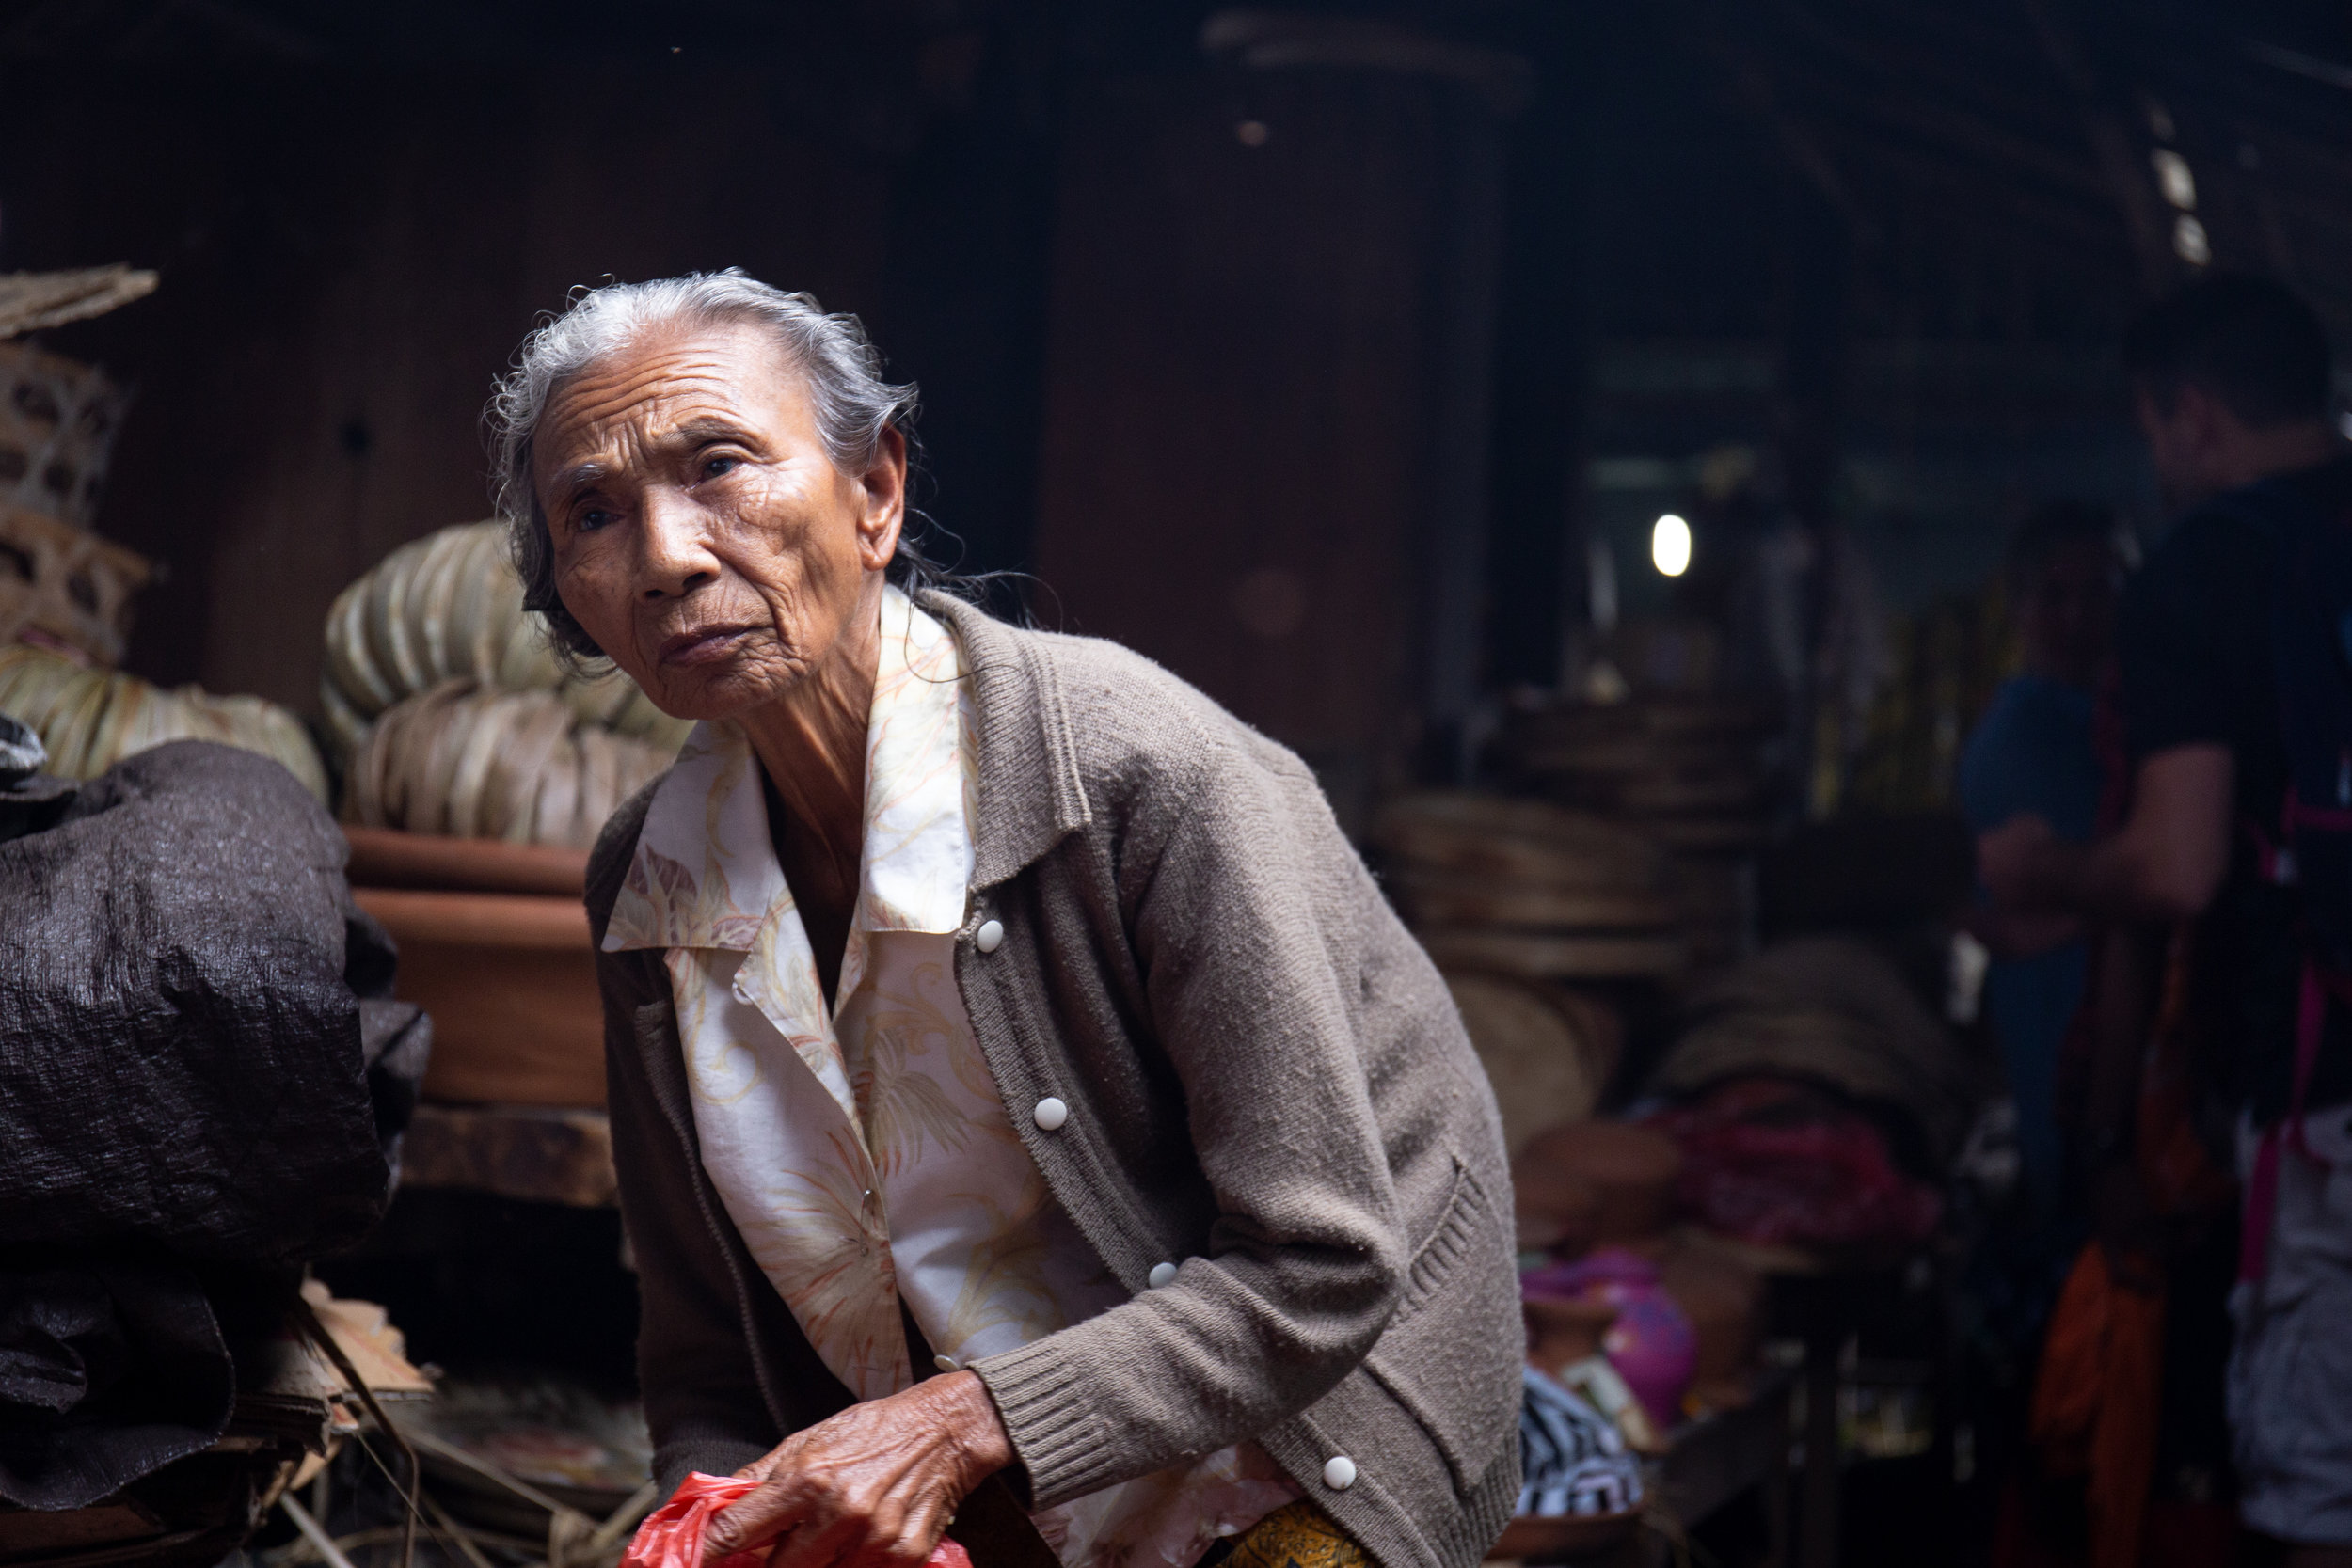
(2232, 388)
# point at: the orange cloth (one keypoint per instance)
(2174, 1164)
(2095, 1403)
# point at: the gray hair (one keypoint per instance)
(853, 404)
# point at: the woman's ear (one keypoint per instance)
(884, 489)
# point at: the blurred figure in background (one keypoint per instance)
(2032, 752)
(2232, 385)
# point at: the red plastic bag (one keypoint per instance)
(671, 1535)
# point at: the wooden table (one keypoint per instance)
(540, 1154)
(1725, 1454)
(1708, 1461)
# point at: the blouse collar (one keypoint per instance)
(705, 873)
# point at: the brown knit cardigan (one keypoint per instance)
(1267, 1084)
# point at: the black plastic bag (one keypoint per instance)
(182, 1060)
(110, 1368)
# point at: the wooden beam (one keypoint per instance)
(1956, 129)
(1911, 66)
(1753, 90)
(2128, 179)
(520, 1151)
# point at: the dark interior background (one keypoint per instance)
(1305, 351)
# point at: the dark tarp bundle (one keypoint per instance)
(200, 1061)
(181, 1056)
(110, 1368)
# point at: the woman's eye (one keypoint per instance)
(714, 467)
(592, 519)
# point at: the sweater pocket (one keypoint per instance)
(1451, 1354)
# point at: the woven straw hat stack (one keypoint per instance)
(1519, 902)
(1685, 770)
(1524, 888)
(66, 593)
(1548, 1051)
(458, 716)
(92, 719)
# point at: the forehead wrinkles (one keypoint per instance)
(639, 396)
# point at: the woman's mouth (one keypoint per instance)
(706, 645)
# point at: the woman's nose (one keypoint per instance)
(676, 554)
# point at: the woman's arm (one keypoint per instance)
(2166, 864)
(1247, 916)
(702, 1399)
(702, 1395)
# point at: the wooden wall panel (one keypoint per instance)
(1236, 429)
(344, 273)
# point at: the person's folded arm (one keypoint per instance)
(2166, 864)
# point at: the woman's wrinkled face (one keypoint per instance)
(701, 534)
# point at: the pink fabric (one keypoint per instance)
(1652, 1344)
(1768, 1164)
(2262, 1192)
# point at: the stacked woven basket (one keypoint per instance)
(1524, 888)
(1686, 771)
(90, 718)
(57, 425)
(495, 765)
(458, 716)
(65, 595)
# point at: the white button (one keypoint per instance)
(1161, 1273)
(1338, 1472)
(1051, 1114)
(990, 937)
(946, 1363)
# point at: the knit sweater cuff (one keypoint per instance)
(712, 1456)
(1056, 1436)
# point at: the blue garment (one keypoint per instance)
(2032, 752)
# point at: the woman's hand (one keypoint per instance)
(872, 1487)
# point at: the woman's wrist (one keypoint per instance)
(968, 1413)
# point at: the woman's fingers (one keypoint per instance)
(847, 1531)
(759, 1515)
(755, 1518)
(765, 1465)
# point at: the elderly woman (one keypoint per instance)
(1029, 1114)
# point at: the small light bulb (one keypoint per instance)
(1670, 546)
(2175, 179)
(2191, 242)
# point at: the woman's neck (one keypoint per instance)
(811, 743)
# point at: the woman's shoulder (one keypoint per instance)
(616, 845)
(1123, 713)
